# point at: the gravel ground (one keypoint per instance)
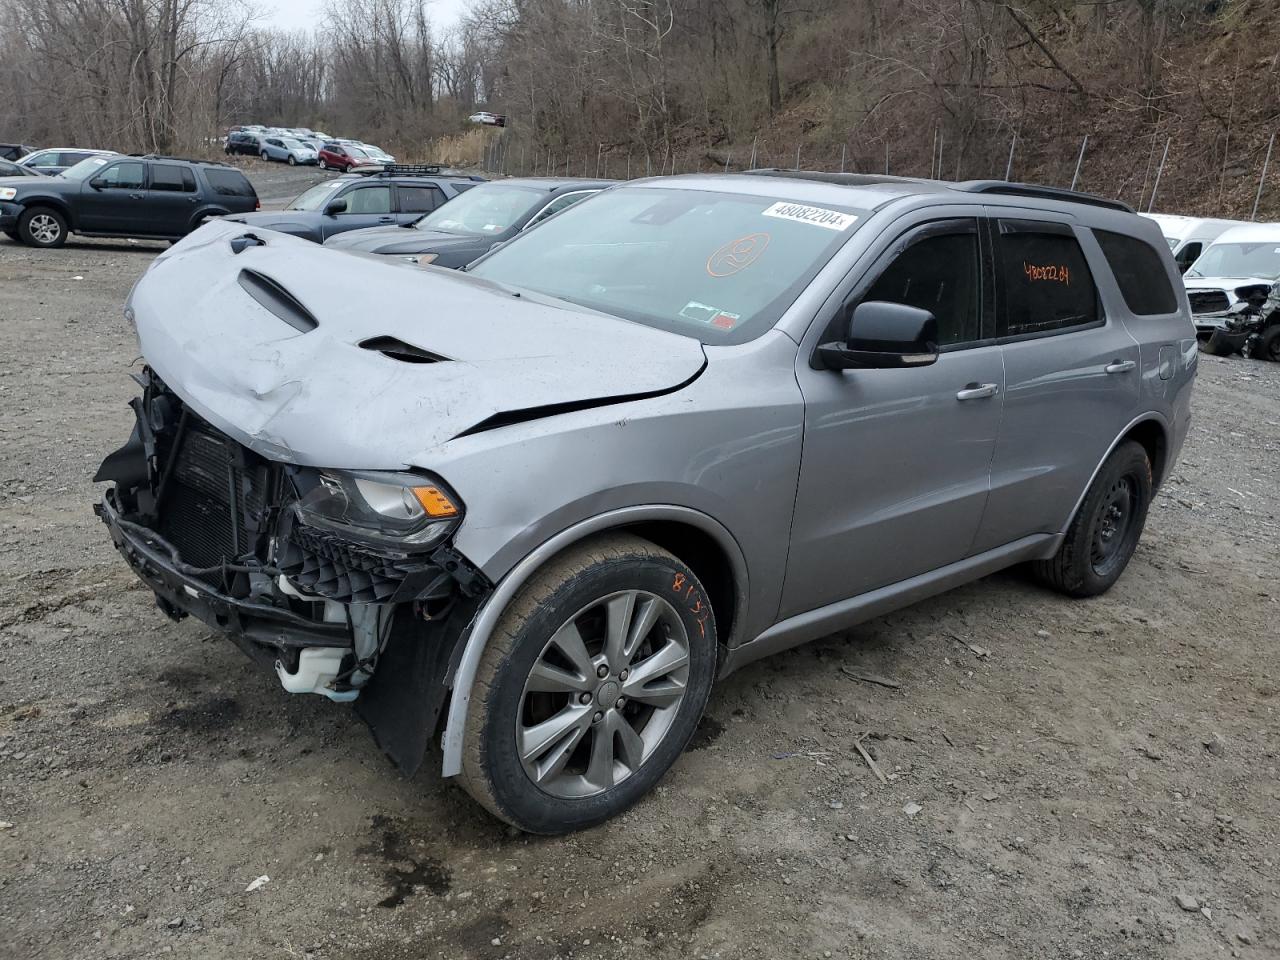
(1065, 779)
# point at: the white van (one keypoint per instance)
(1244, 261)
(1188, 236)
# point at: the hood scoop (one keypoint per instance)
(396, 349)
(277, 300)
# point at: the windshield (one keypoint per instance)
(85, 168)
(716, 266)
(486, 211)
(375, 151)
(1241, 260)
(1172, 242)
(314, 199)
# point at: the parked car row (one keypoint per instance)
(300, 145)
(1231, 271)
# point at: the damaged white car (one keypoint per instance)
(539, 506)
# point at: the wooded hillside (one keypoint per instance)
(922, 87)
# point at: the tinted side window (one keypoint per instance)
(228, 183)
(172, 178)
(1188, 255)
(368, 200)
(420, 198)
(129, 175)
(1047, 284)
(1139, 272)
(939, 272)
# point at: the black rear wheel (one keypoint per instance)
(1106, 529)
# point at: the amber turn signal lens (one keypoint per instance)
(435, 502)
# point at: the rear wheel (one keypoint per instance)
(323, 165)
(1106, 529)
(43, 227)
(592, 684)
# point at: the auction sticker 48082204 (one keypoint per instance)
(818, 216)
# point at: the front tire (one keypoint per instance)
(591, 686)
(1105, 530)
(43, 227)
(1268, 347)
(264, 156)
(292, 162)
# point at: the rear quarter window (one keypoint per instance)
(229, 183)
(1139, 272)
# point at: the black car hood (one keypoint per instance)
(405, 240)
(285, 221)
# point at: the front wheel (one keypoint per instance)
(593, 682)
(292, 162)
(43, 227)
(1106, 529)
(265, 156)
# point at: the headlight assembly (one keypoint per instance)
(403, 510)
(8, 193)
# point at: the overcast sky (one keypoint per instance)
(306, 14)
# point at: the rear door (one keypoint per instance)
(113, 199)
(415, 199)
(171, 199)
(1071, 370)
(896, 465)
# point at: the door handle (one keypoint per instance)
(386, 219)
(1119, 366)
(977, 391)
(135, 196)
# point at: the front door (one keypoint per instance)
(1072, 374)
(368, 205)
(112, 200)
(896, 463)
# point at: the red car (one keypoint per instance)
(341, 156)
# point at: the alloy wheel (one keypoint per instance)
(44, 228)
(603, 694)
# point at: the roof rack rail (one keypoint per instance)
(161, 156)
(844, 179)
(408, 170)
(1007, 189)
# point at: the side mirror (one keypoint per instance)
(334, 207)
(884, 335)
(97, 183)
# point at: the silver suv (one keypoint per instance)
(541, 506)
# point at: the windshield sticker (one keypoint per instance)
(737, 255)
(713, 316)
(1051, 272)
(818, 216)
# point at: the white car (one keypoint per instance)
(1243, 261)
(492, 119)
(377, 154)
(1188, 236)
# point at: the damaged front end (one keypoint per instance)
(345, 581)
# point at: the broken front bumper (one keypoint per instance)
(180, 591)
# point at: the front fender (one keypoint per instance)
(488, 615)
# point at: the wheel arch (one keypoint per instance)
(56, 203)
(697, 539)
(1149, 429)
(204, 213)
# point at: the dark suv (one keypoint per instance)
(148, 197)
(242, 142)
(395, 196)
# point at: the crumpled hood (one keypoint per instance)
(318, 398)
(399, 240)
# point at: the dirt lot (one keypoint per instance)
(1078, 766)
